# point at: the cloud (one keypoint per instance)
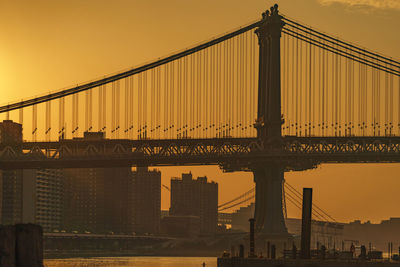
(380, 4)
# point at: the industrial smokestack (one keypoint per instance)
(306, 223)
(252, 254)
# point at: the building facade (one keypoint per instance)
(42, 198)
(29, 196)
(11, 180)
(240, 218)
(146, 201)
(10, 133)
(376, 234)
(198, 197)
(96, 199)
(11, 196)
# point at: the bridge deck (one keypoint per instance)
(230, 153)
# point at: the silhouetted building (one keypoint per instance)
(240, 218)
(43, 198)
(29, 196)
(195, 198)
(96, 199)
(11, 180)
(10, 133)
(378, 234)
(146, 200)
(11, 197)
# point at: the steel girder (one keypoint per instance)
(297, 153)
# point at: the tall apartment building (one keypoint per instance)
(198, 197)
(42, 198)
(29, 196)
(11, 196)
(11, 180)
(96, 199)
(146, 200)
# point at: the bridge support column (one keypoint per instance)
(268, 207)
(269, 117)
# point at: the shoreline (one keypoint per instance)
(110, 254)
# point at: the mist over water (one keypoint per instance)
(133, 261)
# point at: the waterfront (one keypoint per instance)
(133, 261)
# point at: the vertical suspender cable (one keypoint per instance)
(86, 110)
(48, 120)
(178, 98)
(199, 90)
(398, 105)
(172, 98)
(61, 126)
(237, 85)
(166, 97)
(192, 95)
(310, 89)
(100, 108)
(77, 115)
(293, 115)
(21, 115)
(283, 81)
(244, 91)
(139, 106)
(323, 121)
(219, 89)
(90, 110)
(104, 124)
(144, 103)
(390, 104)
(339, 89)
(34, 123)
(126, 107)
(302, 81)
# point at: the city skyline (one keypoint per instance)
(352, 201)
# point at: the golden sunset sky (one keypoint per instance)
(49, 45)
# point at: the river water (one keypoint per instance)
(133, 261)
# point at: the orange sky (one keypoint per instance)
(48, 45)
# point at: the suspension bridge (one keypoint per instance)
(269, 97)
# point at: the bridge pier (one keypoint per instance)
(269, 177)
(268, 212)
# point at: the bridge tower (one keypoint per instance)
(269, 177)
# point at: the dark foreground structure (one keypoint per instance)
(21, 245)
(255, 262)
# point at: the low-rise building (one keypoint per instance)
(376, 234)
